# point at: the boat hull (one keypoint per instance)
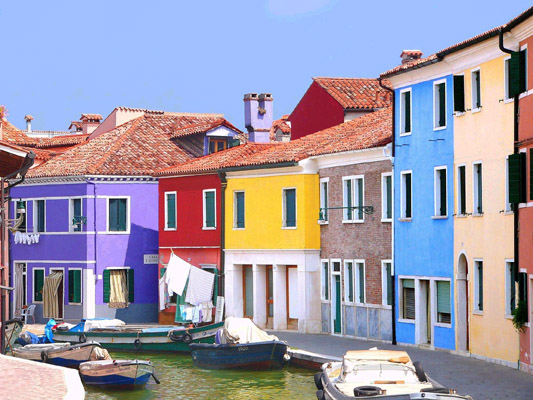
(34, 351)
(118, 375)
(142, 339)
(70, 357)
(251, 356)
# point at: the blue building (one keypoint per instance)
(423, 203)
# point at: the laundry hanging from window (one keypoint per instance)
(50, 295)
(118, 297)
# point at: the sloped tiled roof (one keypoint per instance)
(200, 127)
(13, 135)
(371, 130)
(280, 124)
(61, 141)
(356, 93)
(458, 46)
(138, 147)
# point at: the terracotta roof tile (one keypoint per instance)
(14, 135)
(281, 124)
(201, 127)
(357, 93)
(61, 141)
(371, 130)
(91, 116)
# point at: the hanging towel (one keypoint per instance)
(177, 274)
(162, 293)
(207, 313)
(118, 297)
(196, 315)
(200, 287)
(50, 295)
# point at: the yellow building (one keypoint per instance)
(483, 222)
(272, 246)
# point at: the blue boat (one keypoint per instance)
(117, 374)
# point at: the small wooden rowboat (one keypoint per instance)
(34, 351)
(73, 356)
(117, 374)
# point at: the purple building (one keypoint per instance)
(87, 241)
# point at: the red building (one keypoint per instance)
(331, 101)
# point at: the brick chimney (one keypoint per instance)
(90, 122)
(410, 55)
(28, 119)
(258, 116)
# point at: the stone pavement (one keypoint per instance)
(29, 380)
(479, 379)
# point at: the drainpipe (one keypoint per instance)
(26, 165)
(223, 186)
(514, 206)
(95, 241)
(393, 269)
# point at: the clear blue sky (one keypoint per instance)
(63, 58)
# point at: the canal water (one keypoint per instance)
(180, 380)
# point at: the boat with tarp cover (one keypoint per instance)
(379, 374)
(117, 374)
(240, 345)
(115, 335)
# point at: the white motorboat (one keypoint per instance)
(33, 351)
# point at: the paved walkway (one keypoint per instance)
(481, 380)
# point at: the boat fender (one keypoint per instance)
(137, 344)
(318, 381)
(155, 379)
(82, 338)
(44, 356)
(187, 338)
(320, 395)
(286, 357)
(420, 374)
(362, 391)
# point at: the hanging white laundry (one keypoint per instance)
(17, 237)
(37, 238)
(177, 274)
(207, 311)
(162, 293)
(200, 287)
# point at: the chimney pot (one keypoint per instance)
(408, 56)
(28, 119)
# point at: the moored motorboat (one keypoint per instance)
(140, 337)
(117, 374)
(73, 356)
(240, 345)
(34, 351)
(378, 374)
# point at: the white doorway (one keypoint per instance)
(292, 297)
(424, 317)
(462, 305)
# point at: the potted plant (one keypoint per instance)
(520, 316)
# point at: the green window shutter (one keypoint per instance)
(408, 195)
(389, 284)
(76, 208)
(74, 286)
(408, 283)
(443, 297)
(477, 74)
(325, 211)
(462, 188)
(517, 73)
(479, 172)
(240, 209)
(162, 272)
(209, 199)
(38, 276)
(171, 210)
(122, 214)
(442, 104)
(113, 215)
(480, 285)
(131, 285)
(442, 178)
(349, 199)
(360, 198)
(107, 285)
(350, 282)
(326, 280)
(290, 207)
(361, 283)
(71, 286)
(459, 93)
(407, 114)
(215, 286)
(514, 278)
(388, 183)
(40, 215)
(517, 178)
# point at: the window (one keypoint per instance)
(386, 197)
(439, 105)
(405, 111)
(444, 313)
(507, 86)
(38, 284)
(324, 199)
(216, 145)
(289, 208)
(440, 189)
(360, 282)
(406, 196)
(476, 90)
(324, 272)
(348, 282)
(517, 178)
(118, 215)
(478, 285)
(39, 216)
(408, 298)
(21, 212)
(478, 189)
(74, 286)
(530, 174)
(170, 211)
(510, 288)
(209, 209)
(353, 199)
(459, 93)
(461, 190)
(238, 210)
(119, 287)
(517, 73)
(386, 283)
(75, 220)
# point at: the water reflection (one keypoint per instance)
(180, 380)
